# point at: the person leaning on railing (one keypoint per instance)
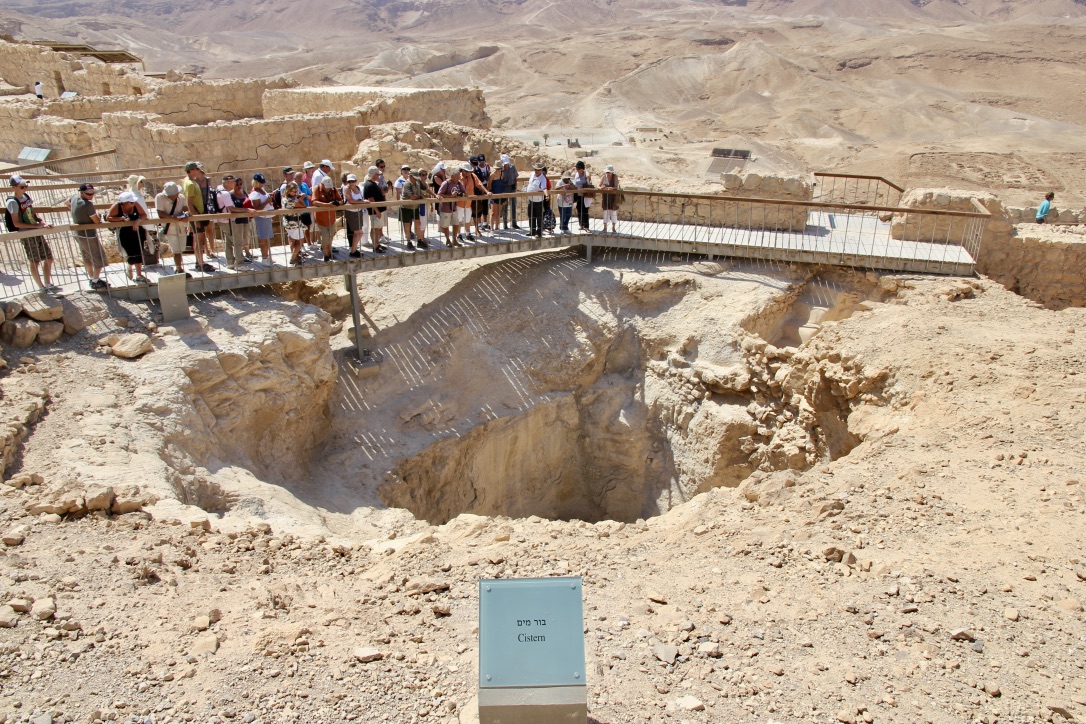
(130, 238)
(325, 194)
(610, 202)
(173, 209)
(20, 216)
(90, 246)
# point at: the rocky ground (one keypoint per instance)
(933, 572)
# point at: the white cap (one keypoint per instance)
(372, 170)
(608, 169)
(308, 164)
(327, 163)
(17, 180)
(351, 177)
(326, 182)
(127, 198)
(506, 159)
(171, 189)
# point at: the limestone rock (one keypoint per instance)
(15, 536)
(98, 497)
(8, 617)
(962, 634)
(131, 499)
(201, 623)
(42, 307)
(10, 310)
(665, 652)
(207, 643)
(19, 333)
(366, 654)
(689, 703)
(1071, 605)
(78, 317)
(50, 332)
(130, 346)
(1011, 614)
(43, 609)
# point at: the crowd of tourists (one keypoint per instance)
(462, 200)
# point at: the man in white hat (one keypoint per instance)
(173, 210)
(325, 171)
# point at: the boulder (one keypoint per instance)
(15, 536)
(366, 654)
(50, 332)
(42, 307)
(78, 317)
(10, 310)
(8, 617)
(99, 498)
(130, 346)
(19, 333)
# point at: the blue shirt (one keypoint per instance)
(1043, 211)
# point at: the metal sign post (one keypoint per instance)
(531, 651)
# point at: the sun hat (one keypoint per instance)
(308, 165)
(193, 166)
(466, 167)
(327, 163)
(608, 169)
(171, 189)
(351, 177)
(259, 178)
(127, 198)
(415, 172)
(539, 167)
(566, 177)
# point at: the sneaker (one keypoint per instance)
(413, 237)
(295, 262)
(207, 268)
(514, 225)
(470, 237)
(355, 255)
(505, 227)
(327, 259)
(379, 249)
(484, 227)
(248, 256)
(141, 280)
(460, 236)
(423, 244)
(410, 246)
(384, 240)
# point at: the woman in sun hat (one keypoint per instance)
(131, 237)
(356, 219)
(609, 180)
(261, 200)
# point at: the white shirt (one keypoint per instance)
(318, 176)
(537, 182)
(37, 88)
(258, 198)
(225, 200)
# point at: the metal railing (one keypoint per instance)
(859, 235)
(82, 164)
(846, 188)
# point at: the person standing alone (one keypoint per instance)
(1045, 207)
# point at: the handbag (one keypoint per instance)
(548, 218)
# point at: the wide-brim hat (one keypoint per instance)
(608, 169)
(467, 167)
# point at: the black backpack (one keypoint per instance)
(8, 221)
(277, 198)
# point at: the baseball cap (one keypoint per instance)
(326, 182)
(506, 159)
(17, 180)
(327, 163)
(84, 187)
(171, 189)
(288, 169)
(351, 177)
(405, 166)
(307, 164)
(126, 198)
(259, 178)
(372, 170)
(415, 172)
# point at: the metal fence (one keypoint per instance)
(859, 235)
(844, 188)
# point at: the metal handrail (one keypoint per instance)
(55, 161)
(891, 184)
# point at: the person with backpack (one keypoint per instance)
(537, 186)
(19, 216)
(90, 246)
(449, 211)
(496, 185)
(200, 196)
(173, 209)
(481, 209)
(356, 219)
(373, 192)
(326, 194)
(582, 201)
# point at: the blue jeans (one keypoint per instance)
(564, 215)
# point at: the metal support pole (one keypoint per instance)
(588, 252)
(351, 280)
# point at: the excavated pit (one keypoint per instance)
(647, 422)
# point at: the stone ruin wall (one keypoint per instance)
(462, 106)
(1040, 262)
(22, 65)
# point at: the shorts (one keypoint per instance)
(480, 208)
(37, 250)
(201, 225)
(447, 219)
(327, 233)
(355, 223)
(408, 214)
(307, 219)
(264, 227)
(94, 255)
(377, 221)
